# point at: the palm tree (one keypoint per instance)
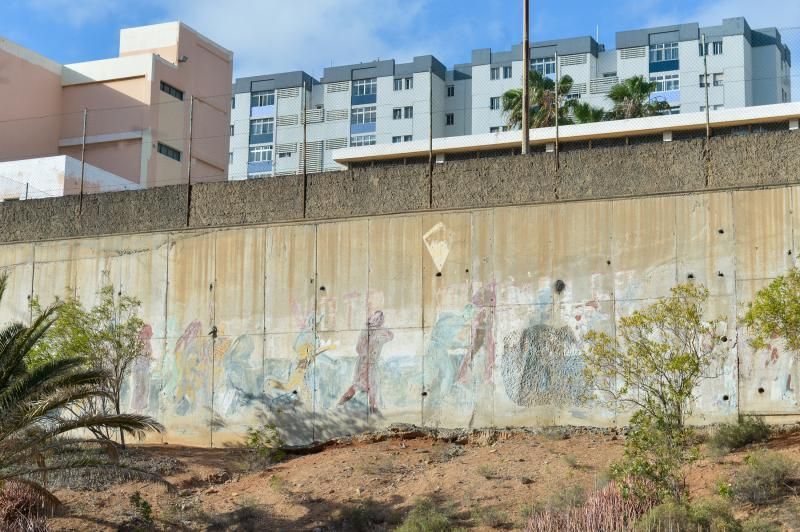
(40, 414)
(542, 92)
(585, 113)
(632, 99)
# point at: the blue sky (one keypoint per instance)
(279, 35)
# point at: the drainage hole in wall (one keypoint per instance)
(438, 274)
(321, 288)
(761, 390)
(720, 274)
(724, 338)
(560, 286)
(690, 276)
(722, 231)
(608, 262)
(424, 394)
(466, 271)
(725, 397)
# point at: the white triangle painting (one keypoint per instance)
(438, 246)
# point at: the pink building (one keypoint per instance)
(168, 84)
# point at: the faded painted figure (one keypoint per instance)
(369, 347)
(482, 338)
(140, 372)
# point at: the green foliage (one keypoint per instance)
(425, 516)
(566, 497)
(631, 99)
(542, 100)
(766, 476)
(585, 113)
(664, 352)
(756, 524)
(265, 441)
(109, 339)
(363, 517)
(142, 508)
(731, 436)
(42, 404)
(709, 515)
(724, 489)
(775, 312)
(489, 517)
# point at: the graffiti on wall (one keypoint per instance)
(542, 366)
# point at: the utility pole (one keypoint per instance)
(526, 67)
(191, 120)
(705, 79)
(83, 158)
(558, 107)
(430, 128)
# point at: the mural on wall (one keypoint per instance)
(140, 373)
(369, 347)
(542, 366)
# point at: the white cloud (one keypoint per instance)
(759, 13)
(78, 13)
(283, 35)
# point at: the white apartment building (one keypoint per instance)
(383, 102)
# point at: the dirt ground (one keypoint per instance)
(486, 484)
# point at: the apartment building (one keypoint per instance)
(386, 102)
(130, 118)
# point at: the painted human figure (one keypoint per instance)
(140, 372)
(482, 335)
(369, 347)
(305, 348)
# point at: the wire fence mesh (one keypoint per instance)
(404, 118)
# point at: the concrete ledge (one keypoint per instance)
(728, 162)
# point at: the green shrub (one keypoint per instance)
(732, 436)
(142, 509)
(714, 515)
(362, 517)
(425, 516)
(566, 498)
(489, 517)
(266, 443)
(710, 515)
(756, 524)
(765, 477)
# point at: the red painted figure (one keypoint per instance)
(369, 347)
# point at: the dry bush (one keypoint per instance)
(22, 509)
(605, 511)
(731, 436)
(767, 476)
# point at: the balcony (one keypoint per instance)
(363, 99)
(264, 111)
(261, 167)
(665, 66)
(369, 127)
(264, 138)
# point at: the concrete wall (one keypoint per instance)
(442, 318)
(756, 160)
(447, 319)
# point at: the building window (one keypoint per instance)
(172, 91)
(231, 130)
(284, 154)
(397, 140)
(365, 87)
(262, 98)
(170, 152)
(675, 110)
(230, 157)
(494, 73)
(669, 82)
(397, 113)
(408, 112)
(507, 72)
(363, 115)
(663, 52)
(363, 140)
(408, 138)
(233, 102)
(450, 119)
(260, 154)
(398, 84)
(717, 48)
(498, 129)
(494, 103)
(262, 126)
(409, 83)
(719, 79)
(546, 66)
(451, 91)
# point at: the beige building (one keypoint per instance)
(132, 115)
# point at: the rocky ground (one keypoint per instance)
(485, 481)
